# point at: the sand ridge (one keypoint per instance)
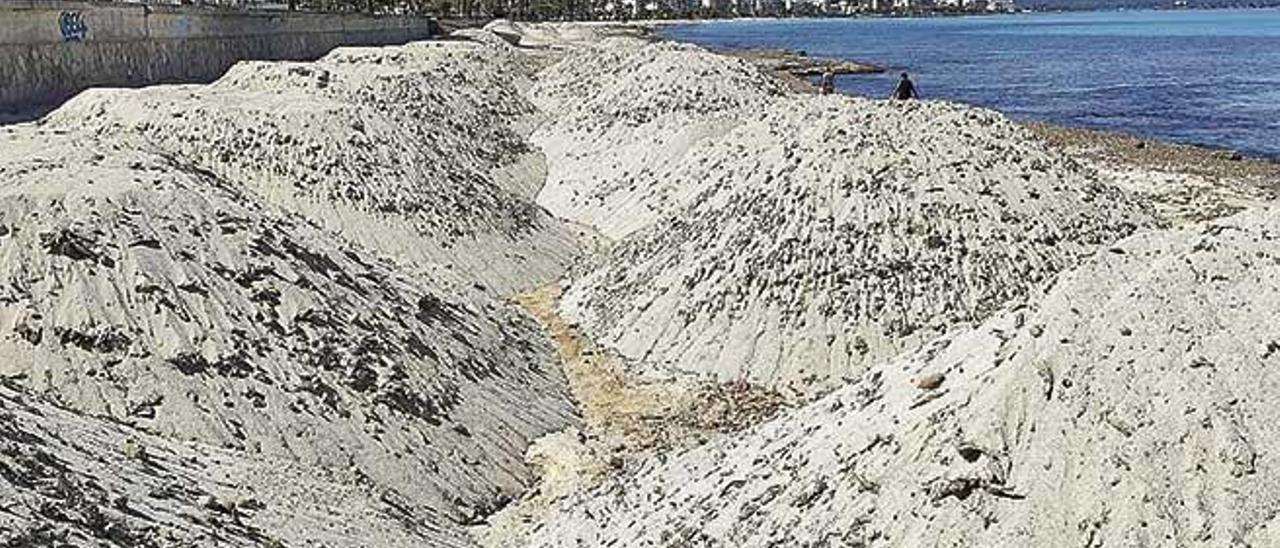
(415, 151)
(1074, 400)
(556, 285)
(106, 484)
(623, 111)
(1130, 404)
(149, 285)
(821, 235)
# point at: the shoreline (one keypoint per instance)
(1117, 145)
(875, 16)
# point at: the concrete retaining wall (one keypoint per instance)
(51, 50)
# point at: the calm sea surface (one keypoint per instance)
(1202, 77)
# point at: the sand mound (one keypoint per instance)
(1134, 405)
(260, 312)
(140, 288)
(70, 480)
(623, 112)
(553, 35)
(827, 234)
(413, 151)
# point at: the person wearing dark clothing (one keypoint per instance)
(827, 85)
(906, 89)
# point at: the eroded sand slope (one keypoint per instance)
(263, 311)
(144, 288)
(624, 112)
(813, 236)
(417, 152)
(1043, 359)
(1133, 405)
(72, 480)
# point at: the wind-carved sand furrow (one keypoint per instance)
(642, 415)
(625, 422)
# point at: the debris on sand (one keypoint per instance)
(800, 64)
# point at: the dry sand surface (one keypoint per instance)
(783, 271)
(565, 285)
(1132, 405)
(144, 290)
(75, 480)
(625, 110)
(416, 152)
(281, 265)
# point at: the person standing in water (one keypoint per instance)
(906, 89)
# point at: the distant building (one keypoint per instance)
(961, 5)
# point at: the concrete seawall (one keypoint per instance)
(51, 50)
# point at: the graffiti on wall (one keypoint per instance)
(73, 27)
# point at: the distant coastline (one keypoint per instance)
(796, 68)
(807, 11)
(1136, 95)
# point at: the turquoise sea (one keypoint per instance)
(1207, 77)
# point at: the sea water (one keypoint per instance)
(1199, 77)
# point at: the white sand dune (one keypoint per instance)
(1133, 405)
(624, 112)
(414, 151)
(142, 289)
(267, 311)
(72, 480)
(823, 235)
